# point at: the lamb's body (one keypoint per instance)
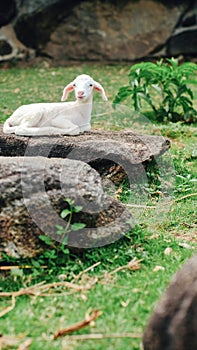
(49, 118)
(69, 118)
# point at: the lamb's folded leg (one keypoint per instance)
(45, 131)
(8, 129)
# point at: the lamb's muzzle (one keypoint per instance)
(68, 118)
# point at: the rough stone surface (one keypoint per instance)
(102, 30)
(174, 321)
(33, 192)
(35, 178)
(7, 11)
(11, 47)
(40, 18)
(183, 41)
(84, 30)
(101, 149)
(134, 147)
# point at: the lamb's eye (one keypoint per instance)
(91, 84)
(74, 85)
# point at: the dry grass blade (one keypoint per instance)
(42, 289)
(10, 341)
(185, 197)
(104, 336)
(132, 265)
(86, 270)
(141, 206)
(165, 203)
(10, 267)
(79, 325)
(25, 345)
(39, 289)
(47, 287)
(8, 308)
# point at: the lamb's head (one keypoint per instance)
(83, 86)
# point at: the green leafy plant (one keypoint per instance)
(63, 231)
(165, 87)
(68, 213)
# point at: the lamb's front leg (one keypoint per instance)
(8, 129)
(85, 127)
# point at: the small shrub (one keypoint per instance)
(164, 86)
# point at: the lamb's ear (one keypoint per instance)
(68, 88)
(99, 88)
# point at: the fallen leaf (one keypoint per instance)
(184, 245)
(168, 251)
(125, 303)
(158, 268)
(84, 297)
(17, 90)
(135, 290)
(154, 236)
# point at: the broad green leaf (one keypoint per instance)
(45, 239)
(77, 226)
(64, 242)
(59, 227)
(77, 208)
(65, 213)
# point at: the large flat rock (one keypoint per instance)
(91, 145)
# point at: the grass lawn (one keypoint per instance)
(158, 245)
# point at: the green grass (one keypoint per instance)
(126, 298)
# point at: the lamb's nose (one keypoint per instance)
(80, 93)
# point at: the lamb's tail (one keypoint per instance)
(7, 128)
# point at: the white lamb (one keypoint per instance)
(66, 118)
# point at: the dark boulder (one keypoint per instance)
(173, 323)
(84, 30)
